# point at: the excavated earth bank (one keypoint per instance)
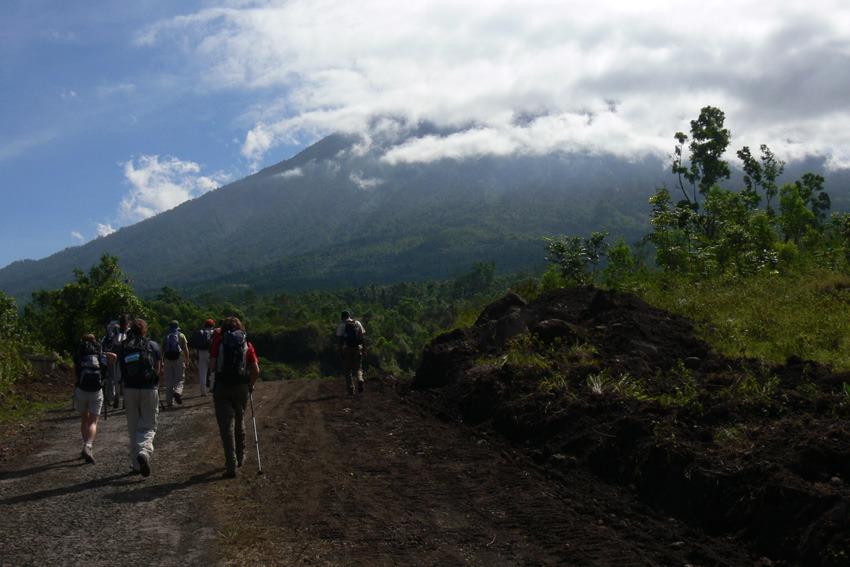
(593, 379)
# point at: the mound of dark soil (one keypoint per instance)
(602, 379)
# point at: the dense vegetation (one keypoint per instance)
(761, 270)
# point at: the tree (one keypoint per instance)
(708, 142)
(760, 176)
(810, 189)
(794, 217)
(577, 257)
(58, 318)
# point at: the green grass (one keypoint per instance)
(17, 408)
(769, 316)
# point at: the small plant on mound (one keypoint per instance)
(678, 388)
(624, 385)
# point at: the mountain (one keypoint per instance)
(337, 215)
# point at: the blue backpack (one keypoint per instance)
(171, 348)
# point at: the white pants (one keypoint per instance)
(173, 379)
(142, 410)
(203, 366)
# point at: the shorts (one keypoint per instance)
(92, 401)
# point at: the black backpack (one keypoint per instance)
(137, 363)
(201, 339)
(231, 362)
(353, 338)
(89, 364)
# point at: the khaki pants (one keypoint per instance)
(352, 365)
(142, 410)
(173, 379)
(230, 403)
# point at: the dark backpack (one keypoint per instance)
(353, 338)
(89, 364)
(201, 339)
(231, 362)
(171, 346)
(137, 363)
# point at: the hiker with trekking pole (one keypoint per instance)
(116, 333)
(89, 364)
(237, 369)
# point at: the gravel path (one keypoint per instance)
(57, 510)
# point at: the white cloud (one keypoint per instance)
(17, 146)
(159, 184)
(104, 229)
(77, 236)
(365, 183)
(290, 173)
(530, 76)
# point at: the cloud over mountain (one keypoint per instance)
(529, 77)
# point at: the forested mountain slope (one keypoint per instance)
(336, 215)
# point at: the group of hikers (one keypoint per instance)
(127, 363)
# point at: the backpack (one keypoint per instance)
(231, 362)
(137, 363)
(90, 378)
(171, 346)
(352, 335)
(201, 339)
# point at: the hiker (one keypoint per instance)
(89, 364)
(201, 342)
(236, 371)
(116, 333)
(175, 354)
(351, 348)
(139, 361)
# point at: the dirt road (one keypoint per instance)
(366, 481)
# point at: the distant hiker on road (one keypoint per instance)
(140, 363)
(201, 342)
(236, 371)
(350, 335)
(89, 364)
(175, 352)
(116, 333)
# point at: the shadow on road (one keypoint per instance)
(66, 464)
(155, 491)
(316, 400)
(63, 490)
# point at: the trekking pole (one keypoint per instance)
(256, 437)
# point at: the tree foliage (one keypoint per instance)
(58, 318)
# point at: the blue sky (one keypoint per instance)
(111, 112)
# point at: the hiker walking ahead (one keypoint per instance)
(139, 360)
(175, 353)
(89, 364)
(349, 334)
(201, 342)
(236, 371)
(116, 333)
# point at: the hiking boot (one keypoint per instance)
(239, 460)
(178, 398)
(144, 464)
(115, 404)
(351, 391)
(87, 454)
(360, 387)
(230, 473)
